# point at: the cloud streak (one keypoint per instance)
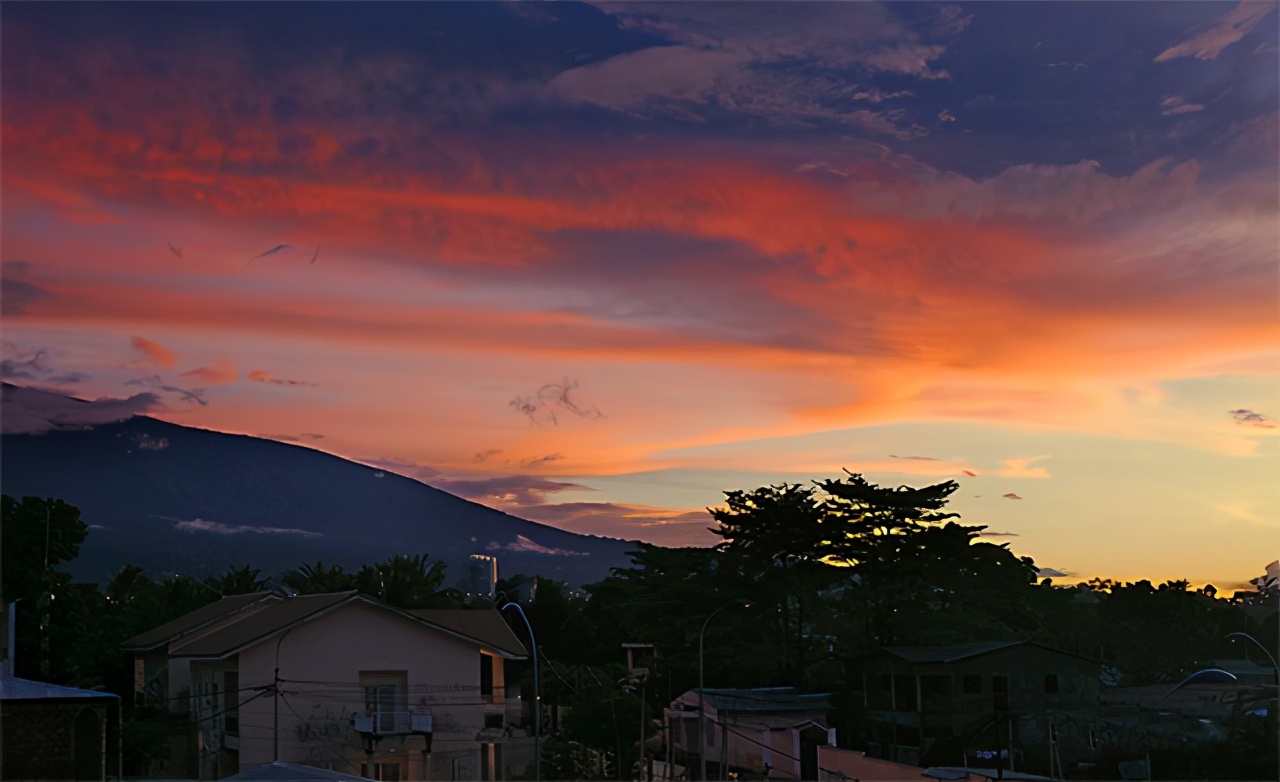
(32, 411)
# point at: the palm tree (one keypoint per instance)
(405, 581)
(318, 579)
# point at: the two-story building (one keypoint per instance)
(982, 698)
(340, 681)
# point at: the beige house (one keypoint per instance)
(339, 681)
(766, 730)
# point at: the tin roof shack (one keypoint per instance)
(775, 731)
(980, 699)
(58, 733)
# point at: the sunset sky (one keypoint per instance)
(596, 264)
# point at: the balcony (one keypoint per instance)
(390, 723)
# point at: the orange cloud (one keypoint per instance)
(217, 374)
(155, 352)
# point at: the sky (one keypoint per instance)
(597, 264)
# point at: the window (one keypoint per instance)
(387, 772)
(972, 684)
(493, 719)
(1051, 683)
(879, 692)
(386, 700)
(904, 694)
(1000, 693)
(935, 693)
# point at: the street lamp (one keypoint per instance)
(1257, 643)
(537, 704)
(702, 712)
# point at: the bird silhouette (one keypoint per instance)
(315, 254)
(177, 251)
(279, 248)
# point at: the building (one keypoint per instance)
(979, 699)
(774, 731)
(482, 576)
(339, 681)
(54, 733)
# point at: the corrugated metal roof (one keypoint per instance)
(948, 654)
(238, 631)
(194, 620)
(766, 699)
(292, 772)
(15, 689)
(487, 627)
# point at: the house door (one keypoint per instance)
(811, 738)
(88, 745)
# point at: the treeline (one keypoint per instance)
(832, 571)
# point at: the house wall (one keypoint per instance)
(320, 663)
(39, 740)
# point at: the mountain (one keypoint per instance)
(174, 498)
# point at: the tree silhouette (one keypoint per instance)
(318, 579)
(405, 581)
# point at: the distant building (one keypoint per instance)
(979, 699)
(340, 681)
(775, 731)
(482, 576)
(53, 733)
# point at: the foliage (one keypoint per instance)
(405, 581)
(832, 572)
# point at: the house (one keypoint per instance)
(339, 681)
(977, 699)
(58, 733)
(774, 731)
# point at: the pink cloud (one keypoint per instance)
(261, 376)
(1208, 42)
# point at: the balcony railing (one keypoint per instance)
(393, 722)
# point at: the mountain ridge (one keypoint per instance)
(175, 498)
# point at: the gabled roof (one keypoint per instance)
(240, 630)
(190, 622)
(487, 627)
(14, 689)
(764, 699)
(237, 632)
(292, 772)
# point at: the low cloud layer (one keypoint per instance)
(32, 411)
(218, 528)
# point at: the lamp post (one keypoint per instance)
(702, 712)
(1257, 643)
(537, 704)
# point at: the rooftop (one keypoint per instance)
(14, 689)
(196, 619)
(765, 699)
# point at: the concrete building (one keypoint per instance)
(344, 682)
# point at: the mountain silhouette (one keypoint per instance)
(174, 498)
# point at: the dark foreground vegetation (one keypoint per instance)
(832, 573)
